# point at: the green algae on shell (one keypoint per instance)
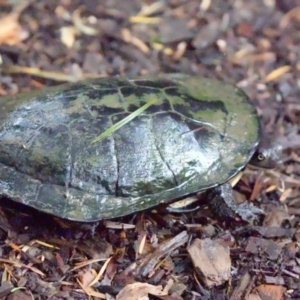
(196, 134)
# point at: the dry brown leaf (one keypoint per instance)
(86, 278)
(67, 35)
(293, 13)
(87, 262)
(11, 32)
(161, 47)
(144, 20)
(43, 244)
(90, 292)
(81, 25)
(180, 50)
(275, 74)
(129, 38)
(101, 272)
(285, 195)
(253, 297)
(19, 264)
(274, 292)
(151, 9)
(257, 187)
(139, 290)
(276, 215)
(139, 245)
(75, 73)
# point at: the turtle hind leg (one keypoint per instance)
(222, 202)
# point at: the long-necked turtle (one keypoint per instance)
(197, 134)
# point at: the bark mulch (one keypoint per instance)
(158, 255)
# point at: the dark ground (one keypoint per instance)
(253, 44)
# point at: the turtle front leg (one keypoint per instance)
(221, 200)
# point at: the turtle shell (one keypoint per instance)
(198, 134)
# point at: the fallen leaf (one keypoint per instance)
(268, 291)
(140, 291)
(11, 32)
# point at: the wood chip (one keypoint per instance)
(259, 245)
(211, 260)
(149, 262)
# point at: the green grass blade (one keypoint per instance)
(121, 123)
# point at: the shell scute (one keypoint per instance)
(198, 134)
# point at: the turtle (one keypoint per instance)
(193, 134)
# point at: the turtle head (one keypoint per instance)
(267, 154)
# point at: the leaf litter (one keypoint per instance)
(249, 43)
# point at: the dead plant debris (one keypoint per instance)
(154, 255)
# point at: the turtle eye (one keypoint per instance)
(260, 157)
